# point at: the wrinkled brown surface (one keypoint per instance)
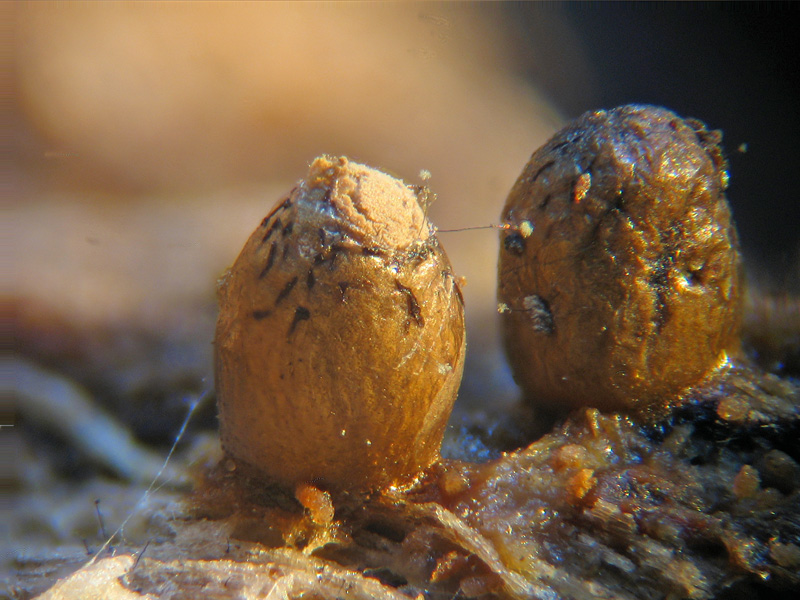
(627, 290)
(340, 340)
(603, 507)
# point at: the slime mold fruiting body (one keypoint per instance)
(627, 289)
(340, 340)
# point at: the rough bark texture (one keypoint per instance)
(701, 505)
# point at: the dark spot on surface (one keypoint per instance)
(543, 204)
(328, 255)
(287, 289)
(660, 287)
(371, 252)
(662, 309)
(310, 281)
(541, 316)
(514, 243)
(261, 314)
(412, 304)
(270, 260)
(618, 202)
(659, 281)
(334, 251)
(343, 286)
(543, 168)
(276, 224)
(418, 254)
(301, 313)
(590, 167)
(327, 197)
(288, 229)
(695, 276)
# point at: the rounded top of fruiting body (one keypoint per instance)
(368, 205)
(626, 289)
(339, 345)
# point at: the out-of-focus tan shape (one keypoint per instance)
(178, 94)
(149, 265)
(198, 96)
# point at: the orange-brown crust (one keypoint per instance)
(627, 289)
(339, 345)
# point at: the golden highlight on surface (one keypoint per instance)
(340, 340)
(627, 289)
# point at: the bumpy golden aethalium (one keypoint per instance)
(619, 277)
(340, 340)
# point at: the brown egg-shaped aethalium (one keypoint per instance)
(619, 274)
(340, 340)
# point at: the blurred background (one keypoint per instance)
(144, 142)
(147, 141)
